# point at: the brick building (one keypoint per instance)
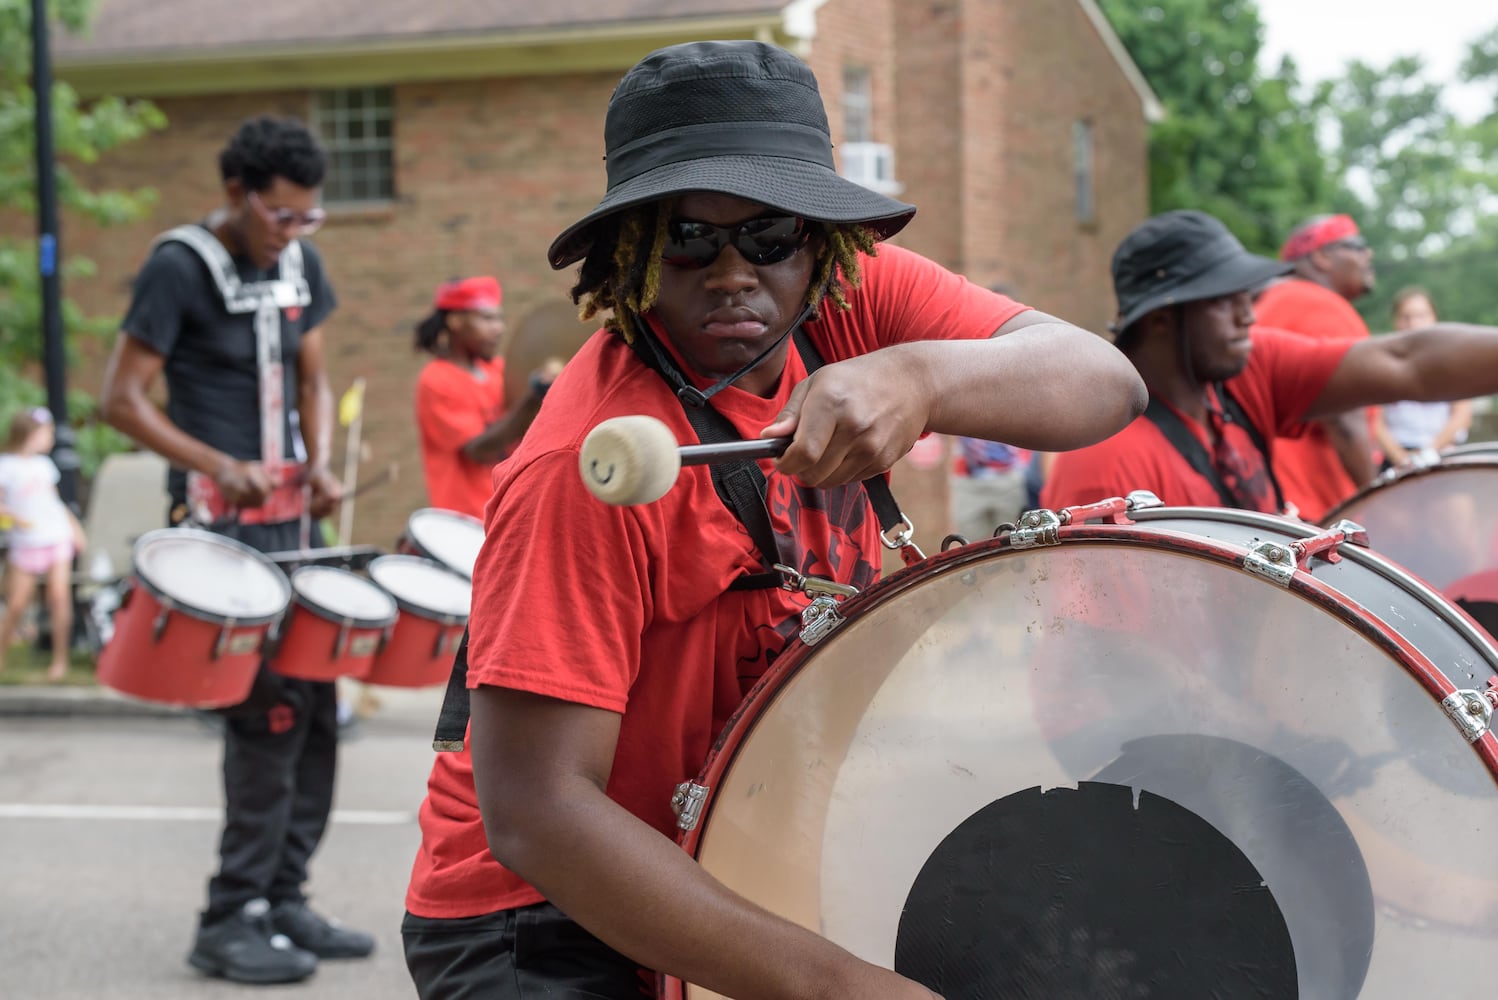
(465, 135)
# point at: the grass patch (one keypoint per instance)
(25, 664)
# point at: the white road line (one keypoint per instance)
(354, 817)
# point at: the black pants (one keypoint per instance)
(280, 753)
(526, 954)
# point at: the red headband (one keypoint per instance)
(468, 294)
(1313, 236)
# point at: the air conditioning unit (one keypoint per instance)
(871, 164)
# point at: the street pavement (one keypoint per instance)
(109, 817)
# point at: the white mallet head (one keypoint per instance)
(630, 460)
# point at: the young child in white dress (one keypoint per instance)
(44, 534)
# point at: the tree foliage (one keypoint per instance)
(1236, 142)
(82, 133)
(1421, 183)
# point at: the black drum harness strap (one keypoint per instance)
(740, 485)
(1191, 449)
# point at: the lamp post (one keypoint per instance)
(54, 359)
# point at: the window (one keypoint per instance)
(1082, 171)
(858, 105)
(355, 128)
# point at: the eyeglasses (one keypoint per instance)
(306, 223)
(766, 240)
(1354, 243)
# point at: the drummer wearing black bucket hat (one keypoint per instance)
(1222, 389)
(601, 670)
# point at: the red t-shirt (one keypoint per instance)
(633, 614)
(1284, 376)
(1309, 469)
(453, 406)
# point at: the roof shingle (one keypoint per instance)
(125, 27)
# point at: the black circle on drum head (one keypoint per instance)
(1085, 892)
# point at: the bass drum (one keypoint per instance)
(1440, 521)
(1179, 753)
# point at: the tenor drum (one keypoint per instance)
(1438, 520)
(1179, 753)
(433, 602)
(193, 622)
(444, 536)
(336, 624)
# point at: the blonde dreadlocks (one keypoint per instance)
(621, 275)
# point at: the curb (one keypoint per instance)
(42, 700)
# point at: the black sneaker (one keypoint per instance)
(322, 937)
(245, 948)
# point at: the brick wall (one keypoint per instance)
(488, 171)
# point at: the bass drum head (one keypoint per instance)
(1441, 523)
(210, 576)
(1115, 767)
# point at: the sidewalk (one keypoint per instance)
(31, 700)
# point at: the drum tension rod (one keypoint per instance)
(1472, 711)
(1278, 562)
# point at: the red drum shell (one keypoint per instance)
(322, 642)
(989, 673)
(433, 602)
(166, 648)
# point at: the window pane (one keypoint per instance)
(356, 128)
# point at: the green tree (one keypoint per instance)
(83, 131)
(1420, 183)
(1236, 142)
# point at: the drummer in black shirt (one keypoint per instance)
(230, 312)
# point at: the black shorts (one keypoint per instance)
(529, 953)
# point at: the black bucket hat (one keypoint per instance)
(740, 118)
(1183, 256)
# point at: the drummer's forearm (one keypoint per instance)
(499, 438)
(316, 405)
(135, 416)
(642, 895)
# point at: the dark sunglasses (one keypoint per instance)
(766, 240)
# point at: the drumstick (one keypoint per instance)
(636, 459)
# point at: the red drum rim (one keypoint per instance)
(302, 599)
(744, 719)
(378, 567)
(198, 535)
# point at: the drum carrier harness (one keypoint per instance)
(742, 487)
(1191, 449)
(265, 299)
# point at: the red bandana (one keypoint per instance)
(468, 294)
(1312, 237)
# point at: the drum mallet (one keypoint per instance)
(636, 459)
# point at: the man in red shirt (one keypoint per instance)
(466, 424)
(1225, 393)
(609, 645)
(1333, 266)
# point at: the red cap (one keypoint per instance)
(1315, 235)
(467, 294)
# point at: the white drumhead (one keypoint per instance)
(966, 702)
(450, 538)
(342, 594)
(211, 574)
(421, 583)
